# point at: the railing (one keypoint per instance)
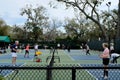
(57, 73)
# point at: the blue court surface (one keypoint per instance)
(7, 72)
(6, 57)
(74, 52)
(86, 57)
(19, 56)
(113, 74)
(79, 55)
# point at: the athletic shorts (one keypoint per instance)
(14, 54)
(105, 61)
(26, 52)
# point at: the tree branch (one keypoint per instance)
(93, 9)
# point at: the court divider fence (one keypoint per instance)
(57, 73)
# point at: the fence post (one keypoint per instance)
(48, 73)
(73, 73)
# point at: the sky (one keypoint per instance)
(10, 10)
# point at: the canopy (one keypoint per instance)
(4, 39)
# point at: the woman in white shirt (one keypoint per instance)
(36, 49)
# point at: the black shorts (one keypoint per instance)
(87, 51)
(26, 52)
(105, 61)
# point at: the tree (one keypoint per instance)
(110, 19)
(75, 29)
(36, 20)
(4, 28)
(18, 32)
(51, 32)
(94, 32)
(118, 25)
(89, 9)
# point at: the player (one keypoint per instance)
(68, 48)
(36, 58)
(114, 57)
(36, 49)
(58, 45)
(87, 49)
(112, 48)
(27, 51)
(105, 56)
(14, 50)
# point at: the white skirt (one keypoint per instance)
(14, 54)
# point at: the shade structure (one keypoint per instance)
(4, 39)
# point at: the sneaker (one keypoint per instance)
(105, 77)
(13, 64)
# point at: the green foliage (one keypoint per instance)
(3, 28)
(92, 14)
(74, 29)
(18, 32)
(36, 19)
(2, 78)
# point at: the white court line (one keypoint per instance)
(69, 56)
(13, 71)
(89, 73)
(92, 75)
(81, 66)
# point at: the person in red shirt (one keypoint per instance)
(27, 51)
(105, 57)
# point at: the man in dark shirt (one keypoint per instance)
(14, 51)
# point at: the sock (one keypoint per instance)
(104, 73)
(107, 73)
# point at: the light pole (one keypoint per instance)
(108, 5)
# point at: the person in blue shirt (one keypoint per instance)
(14, 50)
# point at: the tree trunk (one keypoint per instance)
(96, 20)
(106, 37)
(118, 25)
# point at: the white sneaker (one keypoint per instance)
(105, 77)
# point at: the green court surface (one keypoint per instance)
(66, 60)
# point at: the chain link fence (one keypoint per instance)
(58, 72)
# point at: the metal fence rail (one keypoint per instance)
(57, 73)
